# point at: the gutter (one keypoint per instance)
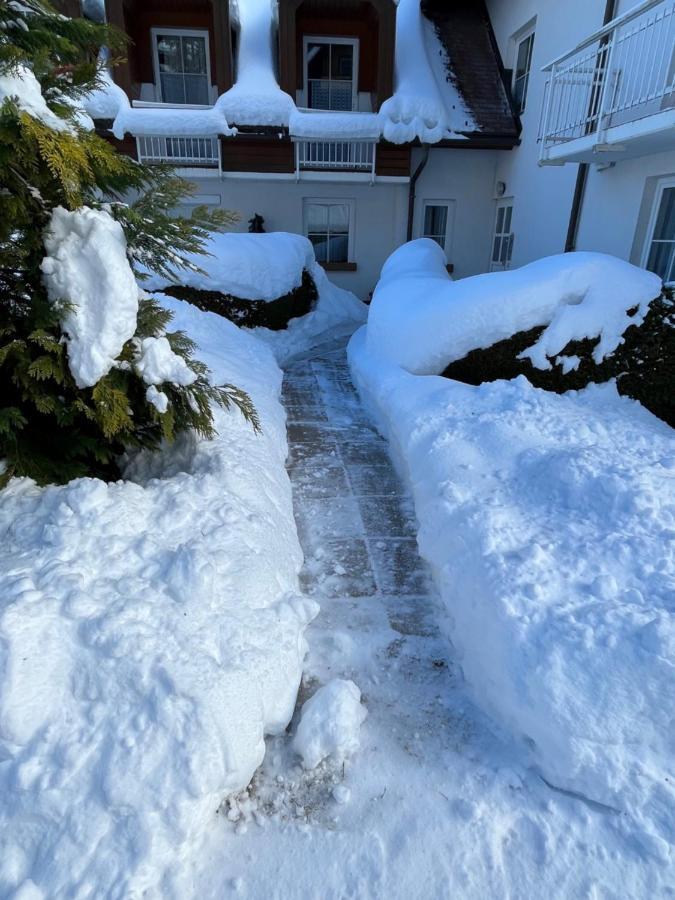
(411, 190)
(582, 170)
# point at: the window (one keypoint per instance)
(438, 221)
(182, 70)
(659, 253)
(502, 243)
(521, 70)
(328, 225)
(331, 66)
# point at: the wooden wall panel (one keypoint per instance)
(242, 154)
(393, 160)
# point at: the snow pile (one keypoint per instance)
(256, 98)
(335, 125)
(86, 266)
(337, 314)
(106, 100)
(150, 636)
(423, 320)
(248, 266)
(330, 724)
(417, 108)
(548, 523)
(22, 86)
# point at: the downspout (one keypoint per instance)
(411, 191)
(582, 169)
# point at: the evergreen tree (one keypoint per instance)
(51, 429)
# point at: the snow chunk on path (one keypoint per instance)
(330, 724)
(423, 320)
(87, 267)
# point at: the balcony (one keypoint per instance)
(345, 156)
(613, 96)
(188, 152)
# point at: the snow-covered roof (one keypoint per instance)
(425, 104)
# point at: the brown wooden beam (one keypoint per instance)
(386, 42)
(114, 11)
(223, 45)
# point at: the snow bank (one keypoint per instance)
(330, 724)
(22, 86)
(423, 320)
(335, 125)
(548, 523)
(150, 635)
(248, 266)
(337, 314)
(86, 266)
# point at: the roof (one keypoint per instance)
(473, 65)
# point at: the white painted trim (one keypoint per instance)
(326, 177)
(661, 185)
(329, 39)
(334, 201)
(451, 207)
(179, 32)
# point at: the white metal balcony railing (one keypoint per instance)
(180, 151)
(354, 156)
(623, 73)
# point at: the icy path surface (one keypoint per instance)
(436, 804)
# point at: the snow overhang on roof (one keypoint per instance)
(430, 102)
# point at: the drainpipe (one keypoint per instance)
(582, 169)
(411, 191)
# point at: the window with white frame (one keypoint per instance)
(329, 226)
(524, 44)
(502, 242)
(659, 254)
(182, 69)
(438, 221)
(331, 72)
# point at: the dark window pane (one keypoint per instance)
(507, 218)
(196, 89)
(338, 248)
(496, 249)
(318, 60)
(173, 88)
(665, 221)
(168, 53)
(320, 244)
(500, 220)
(435, 222)
(194, 55)
(342, 61)
(661, 259)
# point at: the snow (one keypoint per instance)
(335, 125)
(547, 521)
(156, 363)
(249, 266)
(423, 320)
(106, 100)
(22, 86)
(330, 724)
(150, 635)
(337, 314)
(86, 267)
(417, 109)
(255, 98)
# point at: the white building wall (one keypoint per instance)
(467, 178)
(380, 214)
(613, 208)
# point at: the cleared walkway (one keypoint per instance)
(436, 804)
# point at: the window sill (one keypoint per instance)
(338, 266)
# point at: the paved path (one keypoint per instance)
(436, 804)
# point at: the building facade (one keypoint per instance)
(362, 124)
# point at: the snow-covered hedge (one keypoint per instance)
(267, 268)
(150, 635)
(547, 519)
(423, 320)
